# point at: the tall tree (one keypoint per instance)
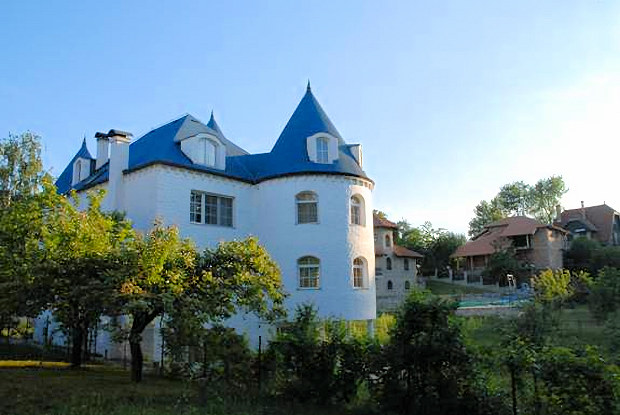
(545, 195)
(21, 178)
(485, 213)
(515, 198)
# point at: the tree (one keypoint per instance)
(515, 198)
(79, 253)
(580, 255)
(444, 245)
(519, 198)
(485, 213)
(605, 296)
(544, 196)
(165, 273)
(21, 178)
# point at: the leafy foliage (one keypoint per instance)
(316, 361)
(605, 297)
(559, 286)
(519, 198)
(427, 368)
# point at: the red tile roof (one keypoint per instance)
(493, 236)
(401, 251)
(601, 217)
(379, 222)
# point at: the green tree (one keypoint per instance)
(485, 213)
(515, 198)
(604, 299)
(79, 253)
(545, 195)
(580, 255)
(21, 179)
(165, 272)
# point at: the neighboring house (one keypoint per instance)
(395, 266)
(601, 223)
(539, 245)
(308, 201)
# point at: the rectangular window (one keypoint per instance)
(309, 277)
(195, 207)
(322, 152)
(406, 264)
(358, 277)
(218, 210)
(378, 272)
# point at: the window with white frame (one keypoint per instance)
(322, 150)
(210, 150)
(359, 272)
(210, 209)
(307, 207)
(308, 272)
(357, 210)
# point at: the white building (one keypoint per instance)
(308, 201)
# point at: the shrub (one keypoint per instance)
(426, 368)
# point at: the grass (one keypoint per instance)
(445, 288)
(108, 391)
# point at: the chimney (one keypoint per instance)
(583, 210)
(103, 149)
(558, 213)
(119, 161)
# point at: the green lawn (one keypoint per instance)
(108, 391)
(445, 288)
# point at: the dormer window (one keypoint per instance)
(81, 170)
(205, 150)
(322, 150)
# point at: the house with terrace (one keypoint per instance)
(532, 242)
(308, 200)
(396, 267)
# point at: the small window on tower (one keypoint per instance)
(322, 150)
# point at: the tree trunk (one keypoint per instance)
(76, 349)
(136, 360)
(140, 321)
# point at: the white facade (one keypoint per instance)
(267, 209)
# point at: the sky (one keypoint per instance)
(449, 99)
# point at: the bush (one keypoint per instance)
(426, 368)
(315, 361)
(605, 295)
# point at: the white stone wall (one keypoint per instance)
(268, 211)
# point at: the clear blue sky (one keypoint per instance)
(449, 99)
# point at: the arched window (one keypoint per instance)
(390, 286)
(357, 210)
(359, 273)
(78, 171)
(307, 209)
(406, 264)
(308, 272)
(388, 263)
(407, 285)
(388, 241)
(322, 150)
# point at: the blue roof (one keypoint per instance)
(288, 156)
(63, 183)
